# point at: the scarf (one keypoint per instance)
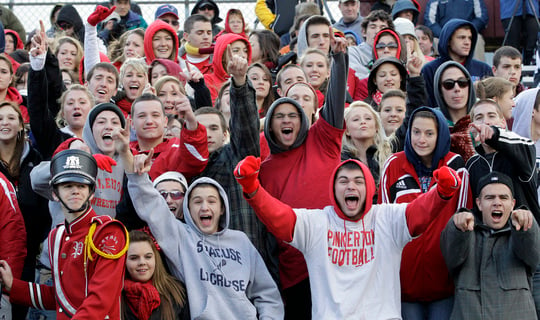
(377, 97)
(125, 106)
(142, 297)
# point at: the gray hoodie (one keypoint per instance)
(360, 57)
(522, 114)
(224, 274)
(437, 89)
(109, 186)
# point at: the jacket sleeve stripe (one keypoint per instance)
(432, 16)
(383, 180)
(8, 193)
(463, 190)
(478, 10)
(194, 152)
(38, 290)
(31, 290)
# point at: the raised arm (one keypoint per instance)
(334, 104)
(148, 203)
(202, 97)
(278, 217)
(91, 40)
(190, 155)
(244, 124)
(425, 208)
(44, 89)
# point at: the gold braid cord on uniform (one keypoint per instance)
(90, 246)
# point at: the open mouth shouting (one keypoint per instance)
(352, 201)
(496, 215)
(107, 138)
(133, 91)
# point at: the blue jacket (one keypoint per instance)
(477, 69)
(507, 8)
(439, 12)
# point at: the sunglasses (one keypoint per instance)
(65, 25)
(171, 22)
(175, 195)
(450, 84)
(382, 45)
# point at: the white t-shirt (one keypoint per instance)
(353, 266)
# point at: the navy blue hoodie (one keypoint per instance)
(477, 69)
(441, 149)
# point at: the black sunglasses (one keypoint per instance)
(382, 45)
(450, 84)
(175, 195)
(65, 25)
(171, 22)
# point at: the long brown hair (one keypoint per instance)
(269, 99)
(13, 164)
(171, 291)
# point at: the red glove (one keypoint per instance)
(100, 14)
(448, 181)
(104, 162)
(247, 173)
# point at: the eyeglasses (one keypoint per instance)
(173, 129)
(175, 195)
(206, 7)
(450, 84)
(382, 45)
(292, 115)
(171, 22)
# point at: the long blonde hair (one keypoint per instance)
(60, 121)
(65, 39)
(381, 142)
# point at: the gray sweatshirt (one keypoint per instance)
(225, 276)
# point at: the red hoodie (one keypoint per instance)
(18, 42)
(228, 27)
(13, 95)
(215, 80)
(152, 29)
(173, 69)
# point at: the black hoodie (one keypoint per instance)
(215, 20)
(69, 14)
